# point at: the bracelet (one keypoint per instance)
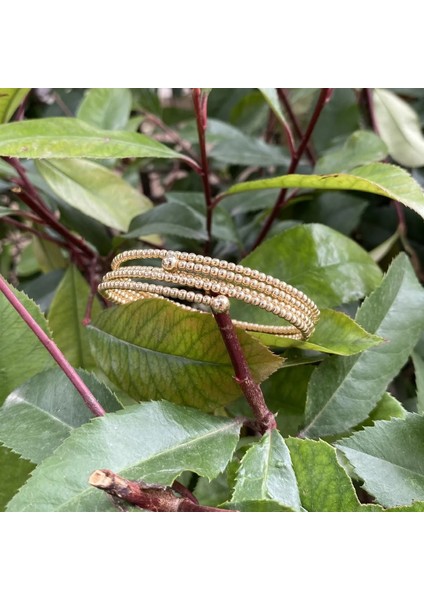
(219, 279)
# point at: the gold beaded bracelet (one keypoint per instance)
(221, 280)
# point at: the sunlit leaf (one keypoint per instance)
(94, 190)
(329, 267)
(360, 148)
(335, 333)
(106, 108)
(271, 97)
(154, 349)
(10, 99)
(376, 178)
(64, 137)
(400, 127)
(324, 486)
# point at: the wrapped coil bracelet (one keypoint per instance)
(221, 280)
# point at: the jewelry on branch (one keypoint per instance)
(218, 282)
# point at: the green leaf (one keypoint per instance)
(5, 212)
(341, 211)
(416, 507)
(10, 99)
(155, 442)
(66, 314)
(376, 178)
(338, 119)
(360, 148)
(383, 249)
(271, 98)
(399, 126)
(213, 493)
(154, 349)
(419, 380)
(232, 146)
(94, 190)
(14, 472)
(21, 353)
(41, 413)
(147, 100)
(42, 288)
(6, 170)
(257, 506)
(47, 254)
(266, 473)
(387, 408)
(335, 333)
(389, 458)
(64, 137)
(329, 267)
(324, 486)
(28, 263)
(223, 226)
(169, 219)
(343, 390)
(285, 396)
(106, 108)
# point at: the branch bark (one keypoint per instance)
(265, 420)
(200, 108)
(154, 498)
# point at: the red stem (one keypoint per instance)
(295, 122)
(270, 126)
(31, 198)
(35, 232)
(181, 489)
(265, 420)
(177, 139)
(369, 105)
(323, 98)
(51, 347)
(200, 108)
(20, 113)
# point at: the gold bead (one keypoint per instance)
(220, 304)
(170, 262)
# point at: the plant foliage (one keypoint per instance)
(319, 188)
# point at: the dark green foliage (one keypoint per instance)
(126, 172)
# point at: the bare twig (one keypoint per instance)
(154, 498)
(29, 229)
(31, 198)
(200, 108)
(323, 98)
(173, 136)
(265, 420)
(295, 122)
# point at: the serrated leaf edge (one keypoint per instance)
(91, 424)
